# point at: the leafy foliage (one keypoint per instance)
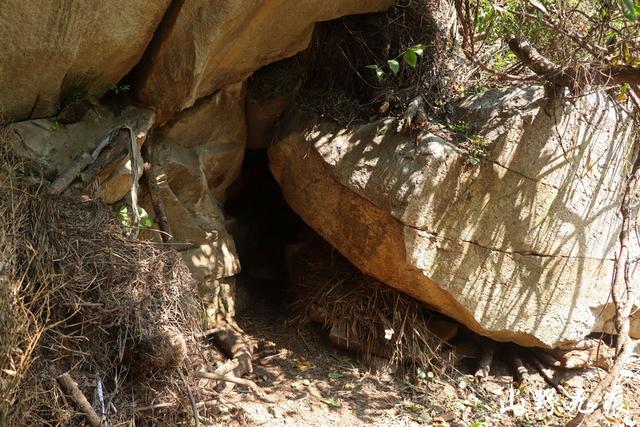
(124, 216)
(117, 88)
(572, 33)
(409, 56)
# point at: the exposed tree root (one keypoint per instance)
(571, 76)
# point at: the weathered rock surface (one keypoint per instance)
(55, 147)
(519, 248)
(197, 156)
(49, 48)
(201, 48)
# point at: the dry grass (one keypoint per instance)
(77, 297)
(379, 318)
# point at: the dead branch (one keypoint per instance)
(70, 388)
(196, 416)
(85, 160)
(133, 158)
(67, 177)
(548, 359)
(116, 150)
(151, 178)
(545, 375)
(235, 380)
(571, 76)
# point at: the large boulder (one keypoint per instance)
(51, 49)
(519, 248)
(196, 157)
(201, 48)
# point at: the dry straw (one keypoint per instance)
(77, 297)
(376, 319)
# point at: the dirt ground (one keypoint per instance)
(311, 383)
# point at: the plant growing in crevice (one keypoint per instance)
(477, 146)
(409, 56)
(118, 89)
(124, 217)
(474, 144)
(54, 127)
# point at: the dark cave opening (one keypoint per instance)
(262, 224)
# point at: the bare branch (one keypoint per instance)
(573, 75)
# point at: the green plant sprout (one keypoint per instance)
(55, 127)
(475, 144)
(124, 217)
(117, 89)
(409, 56)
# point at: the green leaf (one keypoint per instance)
(473, 160)
(410, 58)
(624, 89)
(123, 216)
(394, 66)
(418, 49)
(629, 10)
(378, 70)
(331, 402)
(335, 375)
(55, 127)
(538, 5)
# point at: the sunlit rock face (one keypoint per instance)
(56, 50)
(519, 248)
(198, 155)
(202, 47)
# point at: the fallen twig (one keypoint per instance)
(547, 378)
(70, 388)
(196, 416)
(235, 380)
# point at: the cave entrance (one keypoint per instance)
(262, 224)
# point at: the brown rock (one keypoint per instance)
(52, 49)
(198, 155)
(55, 147)
(261, 119)
(202, 48)
(519, 248)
